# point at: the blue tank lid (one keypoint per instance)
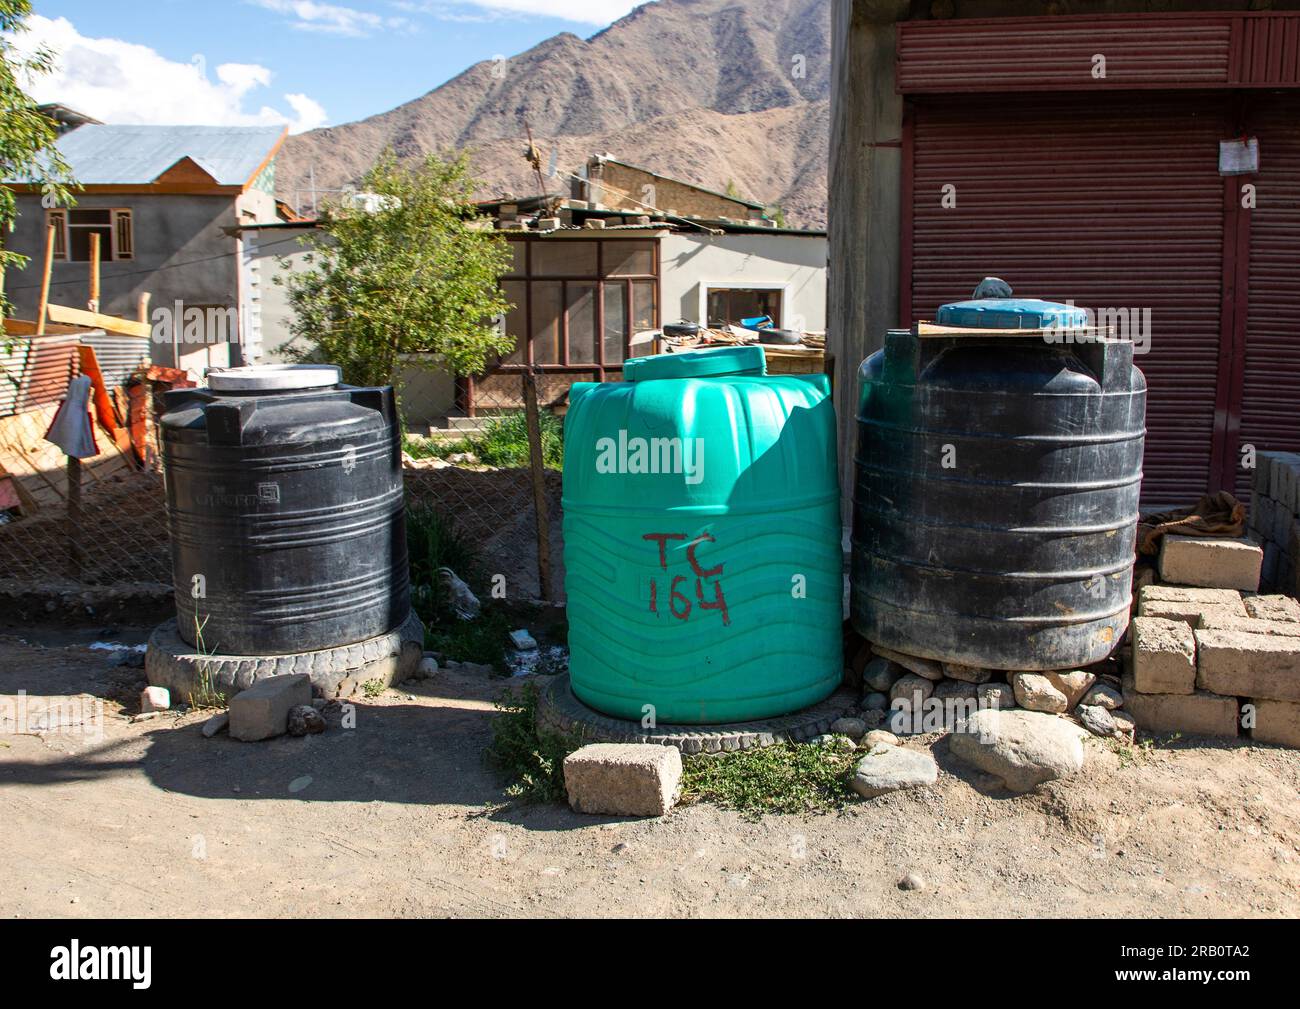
(1011, 313)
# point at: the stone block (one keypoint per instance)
(262, 711)
(1211, 562)
(1201, 713)
(1164, 656)
(1214, 622)
(1242, 664)
(1276, 722)
(1273, 608)
(623, 779)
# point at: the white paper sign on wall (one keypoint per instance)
(1239, 157)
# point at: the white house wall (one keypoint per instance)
(793, 264)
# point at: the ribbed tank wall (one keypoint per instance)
(996, 499)
(714, 595)
(286, 518)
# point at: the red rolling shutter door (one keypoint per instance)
(1270, 402)
(1112, 201)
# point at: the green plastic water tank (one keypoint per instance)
(702, 540)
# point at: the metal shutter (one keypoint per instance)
(1270, 401)
(1112, 201)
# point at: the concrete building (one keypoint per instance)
(167, 203)
(585, 282)
(1099, 152)
(609, 184)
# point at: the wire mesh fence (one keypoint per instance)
(477, 474)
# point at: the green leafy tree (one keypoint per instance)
(412, 272)
(27, 136)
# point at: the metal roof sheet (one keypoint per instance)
(132, 155)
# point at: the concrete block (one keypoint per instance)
(1273, 608)
(1164, 656)
(1217, 598)
(1242, 664)
(155, 699)
(623, 779)
(1214, 622)
(1270, 566)
(1200, 713)
(1263, 512)
(262, 711)
(1276, 722)
(1210, 562)
(1282, 473)
(1262, 477)
(1283, 519)
(1189, 613)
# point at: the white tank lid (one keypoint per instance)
(274, 377)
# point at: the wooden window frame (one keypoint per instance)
(121, 224)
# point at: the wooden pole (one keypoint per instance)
(94, 271)
(539, 485)
(44, 303)
(142, 307)
(75, 558)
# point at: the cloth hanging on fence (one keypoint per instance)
(1218, 514)
(71, 428)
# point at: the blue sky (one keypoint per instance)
(306, 63)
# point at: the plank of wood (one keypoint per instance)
(95, 320)
(25, 327)
(93, 302)
(45, 281)
(931, 329)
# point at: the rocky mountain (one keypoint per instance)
(709, 91)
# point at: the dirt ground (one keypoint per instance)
(399, 816)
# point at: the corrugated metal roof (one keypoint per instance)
(135, 155)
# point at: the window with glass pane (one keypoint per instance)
(643, 305)
(628, 258)
(547, 304)
(616, 333)
(516, 319)
(582, 322)
(729, 305)
(562, 258)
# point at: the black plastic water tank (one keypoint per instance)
(284, 501)
(996, 498)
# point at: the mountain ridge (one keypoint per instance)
(712, 92)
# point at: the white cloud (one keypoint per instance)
(594, 12)
(122, 82)
(331, 19)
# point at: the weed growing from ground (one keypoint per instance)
(532, 760)
(802, 779)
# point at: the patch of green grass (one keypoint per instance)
(373, 688)
(433, 541)
(802, 779)
(504, 441)
(533, 761)
(418, 447)
(482, 640)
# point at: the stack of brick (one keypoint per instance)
(1207, 661)
(1275, 519)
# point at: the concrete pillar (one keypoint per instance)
(864, 185)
